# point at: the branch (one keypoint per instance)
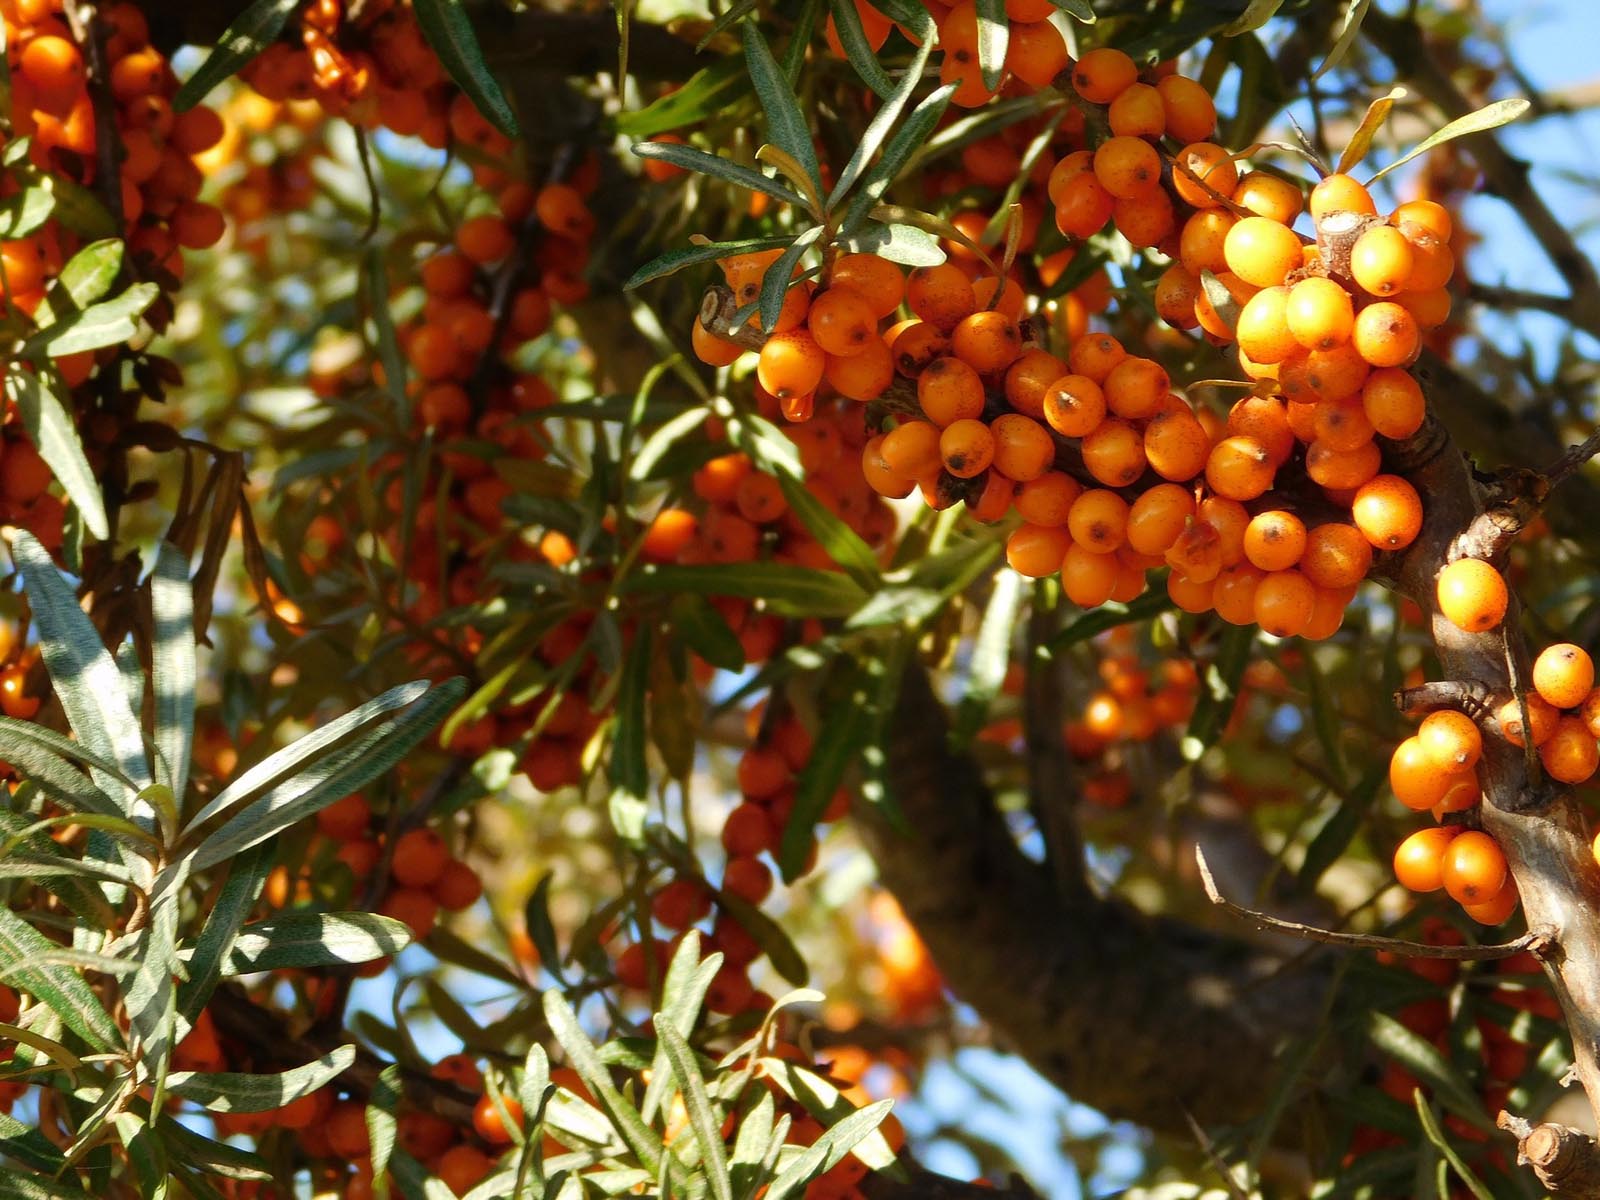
(1091, 992)
(925, 1185)
(1363, 941)
(1566, 1160)
(1052, 780)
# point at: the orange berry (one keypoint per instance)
(1342, 426)
(1388, 512)
(484, 239)
(1037, 550)
(1264, 419)
(1135, 387)
(1285, 602)
(1176, 445)
(1563, 674)
(1542, 718)
(1386, 335)
(914, 344)
(862, 376)
(1419, 859)
(988, 341)
(911, 450)
(1137, 112)
(1202, 244)
(1175, 296)
(1570, 753)
(1098, 520)
(941, 296)
(967, 448)
(1074, 405)
(1029, 378)
(1274, 540)
(1340, 193)
(1474, 868)
(1342, 469)
(1415, 778)
(710, 349)
(1197, 554)
(1429, 214)
(1320, 314)
(1094, 355)
(1087, 578)
(876, 280)
(1047, 500)
(1263, 330)
(488, 1122)
(1036, 52)
(1083, 206)
(1261, 252)
(1101, 75)
(1203, 175)
(842, 322)
(420, 856)
(1432, 261)
(1494, 911)
(1114, 453)
(1157, 517)
(1146, 220)
(1239, 468)
(790, 364)
(1450, 739)
(1127, 167)
(1472, 595)
(949, 390)
(1190, 114)
(1381, 260)
(1023, 448)
(1269, 196)
(1393, 402)
(1233, 595)
(1336, 555)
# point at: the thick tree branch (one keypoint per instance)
(1094, 994)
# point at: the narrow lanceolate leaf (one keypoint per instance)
(703, 1119)
(750, 1147)
(255, 29)
(87, 276)
(1109, 616)
(23, 954)
(840, 741)
(877, 130)
(859, 52)
(28, 1146)
(706, 92)
(150, 998)
(903, 244)
(775, 284)
(683, 991)
(247, 874)
(629, 769)
(788, 590)
(825, 1102)
(300, 940)
(1220, 691)
(239, 1093)
(14, 1186)
(444, 24)
(1353, 17)
(375, 285)
(692, 256)
(31, 749)
(918, 126)
(50, 425)
(706, 631)
(787, 127)
(1423, 1059)
(1361, 140)
(828, 1149)
(1490, 116)
(333, 777)
(1432, 1131)
(27, 210)
(769, 935)
(86, 678)
(1078, 10)
(692, 158)
(843, 544)
(1256, 14)
(994, 32)
(172, 613)
(104, 324)
(383, 1125)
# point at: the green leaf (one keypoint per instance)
(829, 1149)
(629, 769)
(1220, 691)
(1490, 116)
(23, 950)
(800, 34)
(307, 939)
(150, 999)
(1324, 719)
(691, 256)
(334, 777)
(775, 284)
(1423, 1059)
(994, 33)
(703, 1119)
(705, 631)
(247, 874)
(991, 656)
(228, 1092)
(683, 992)
(173, 669)
(1355, 150)
(787, 127)
(28, 1146)
(383, 1125)
(1109, 616)
(769, 935)
(1079, 10)
(106, 324)
(859, 52)
(49, 424)
(87, 276)
(825, 1102)
(913, 133)
(843, 544)
(706, 93)
(1351, 27)
(1256, 14)
(26, 211)
(692, 158)
(33, 751)
(1436, 1135)
(31, 1187)
(375, 287)
(256, 28)
(86, 678)
(1339, 830)
(445, 26)
(839, 743)
(788, 590)
(146, 1153)
(751, 1146)
(899, 243)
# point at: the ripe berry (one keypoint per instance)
(1474, 868)
(1563, 674)
(1388, 512)
(1419, 859)
(1472, 595)
(1450, 739)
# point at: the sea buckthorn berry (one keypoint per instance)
(1337, 373)
(1087, 578)
(1495, 911)
(1190, 113)
(1230, 519)
(1029, 378)
(1218, 324)
(1074, 405)
(1135, 387)
(1127, 167)
(1048, 499)
(1320, 313)
(1381, 260)
(1083, 206)
(1393, 402)
(874, 26)
(1268, 196)
(1429, 214)
(561, 209)
(988, 341)
(1342, 425)
(1190, 595)
(1011, 302)
(876, 280)
(488, 1122)
(1570, 754)
(1197, 553)
(1432, 261)
(1342, 470)
(1419, 859)
(914, 344)
(1239, 468)
(842, 322)
(1079, 162)
(1101, 75)
(1261, 252)
(1098, 520)
(880, 476)
(1474, 868)
(1202, 244)
(1138, 112)
(1563, 674)
(967, 448)
(1094, 355)
(1036, 52)
(994, 501)
(1146, 220)
(912, 450)
(54, 67)
(862, 376)
(1274, 540)
(1114, 453)
(484, 239)
(1462, 794)
(1176, 445)
(1204, 176)
(710, 349)
(1233, 594)
(949, 390)
(1431, 308)
(1266, 420)
(1340, 193)
(1037, 550)
(1542, 717)
(1263, 330)
(1285, 602)
(1386, 335)
(1157, 517)
(790, 364)
(1388, 512)
(1589, 710)
(1176, 293)
(1450, 739)
(942, 296)
(1472, 595)
(1023, 448)
(1414, 778)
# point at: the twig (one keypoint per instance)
(1471, 696)
(1575, 457)
(1532, 940)
(1566, 1160)
(1509, 297)
(374, 204)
